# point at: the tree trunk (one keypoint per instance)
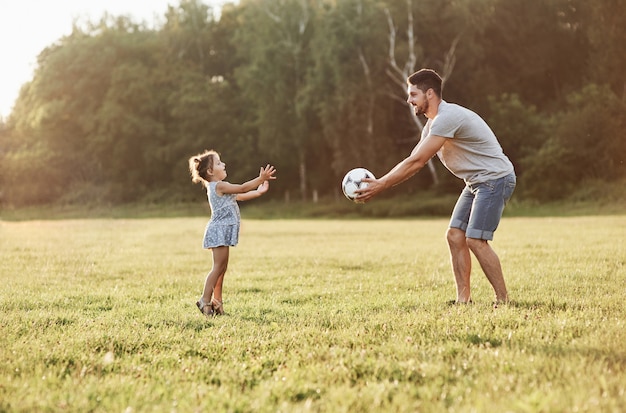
(400, 75)
(302, 174)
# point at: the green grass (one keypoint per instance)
(98, 315)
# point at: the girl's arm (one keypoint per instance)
(265, 174)
(255, 193)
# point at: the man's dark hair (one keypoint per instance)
(426, 79)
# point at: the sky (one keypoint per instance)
(29, 26)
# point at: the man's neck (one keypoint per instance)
(433, 108)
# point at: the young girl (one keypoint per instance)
(222, 231)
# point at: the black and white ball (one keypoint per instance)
(353, 181)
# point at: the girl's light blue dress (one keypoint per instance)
(223, 228)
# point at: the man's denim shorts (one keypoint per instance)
(479, 207)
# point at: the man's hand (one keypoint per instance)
(374, 187)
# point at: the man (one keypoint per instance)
(469, 149)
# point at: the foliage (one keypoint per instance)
(519, 128)
(115, 108)
(585, 145)
(337, 316)
(535, 49)
(606, 32)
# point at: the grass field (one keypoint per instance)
(98, 315)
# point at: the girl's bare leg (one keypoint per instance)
(217, 291)
(216, 275)
(216, 302)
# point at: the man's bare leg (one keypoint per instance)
(490, 263)
(461, 263)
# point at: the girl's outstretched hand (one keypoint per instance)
(267, 173)
(264, 187)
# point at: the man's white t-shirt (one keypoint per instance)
(472, 151)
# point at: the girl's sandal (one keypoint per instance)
(206, 309)
(218, 307)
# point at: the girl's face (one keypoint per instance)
(219, 169)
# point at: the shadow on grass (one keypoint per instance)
(199, 324)
(550, 305)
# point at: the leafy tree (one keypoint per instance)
(187, 34)
(518, 126)
(197, 64)
(274, 48)
(343, 87)
(585, 145)
(534, 49)
(54, 113)
(606, 31)
(115, 109)
(131, 134)
(414, 46)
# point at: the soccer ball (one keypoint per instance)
(352, 182)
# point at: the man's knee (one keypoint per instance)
(476, 244)
(455, 237)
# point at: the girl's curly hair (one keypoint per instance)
(201, 165)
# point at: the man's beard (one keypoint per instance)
(420, 110)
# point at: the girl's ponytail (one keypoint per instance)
(200, 166)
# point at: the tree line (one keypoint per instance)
(315, 87)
